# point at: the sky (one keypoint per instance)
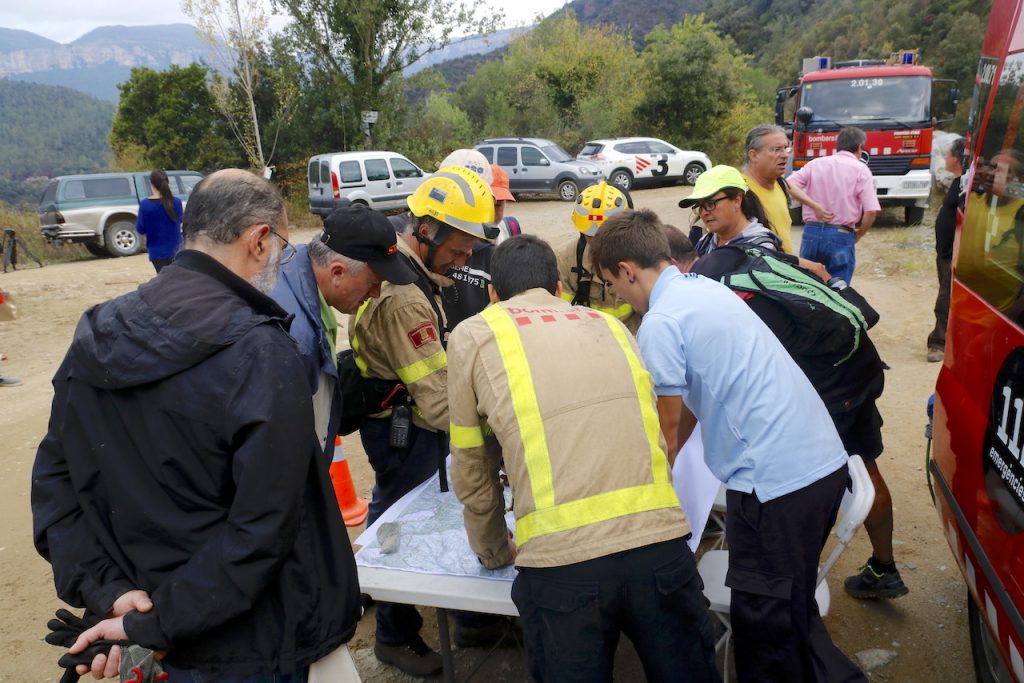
(66, 20)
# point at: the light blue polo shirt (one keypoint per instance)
(764, 427)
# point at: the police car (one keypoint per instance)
(629, 160)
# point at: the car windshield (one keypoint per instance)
(591, 148)
(905, 99)
(556, 153)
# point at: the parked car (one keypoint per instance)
(99, 210)
(380, 180)
(538, 165)
(629, 160)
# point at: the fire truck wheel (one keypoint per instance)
(913, 215)
(988, 666)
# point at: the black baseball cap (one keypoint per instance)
(366, 235)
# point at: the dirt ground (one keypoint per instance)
(926, 629)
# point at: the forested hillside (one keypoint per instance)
(48, 131)
(779, 33)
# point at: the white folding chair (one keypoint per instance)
(853, 510)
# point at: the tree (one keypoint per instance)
(698, 89)
(366, 44)
(167, 119)
(560, 81)
(236, 30)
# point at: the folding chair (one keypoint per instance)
(853, 510)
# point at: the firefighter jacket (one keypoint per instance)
(398, 336)
(568, 399)
(602, 296)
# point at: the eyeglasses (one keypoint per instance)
(779, 150)
(708, 204)
(288, 253)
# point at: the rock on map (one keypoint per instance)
(433, 538)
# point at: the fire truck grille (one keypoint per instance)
(889, 165)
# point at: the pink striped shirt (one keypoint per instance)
(841, 183)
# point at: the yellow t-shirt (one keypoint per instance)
(776, 209)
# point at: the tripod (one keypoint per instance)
(9, 244)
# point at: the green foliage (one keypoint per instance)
(698, 89)
(781, 33)
(435, 129)
(48, 131)
(560, 81)
(167, 119)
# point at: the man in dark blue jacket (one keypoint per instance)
(181, 461)
(342, 267)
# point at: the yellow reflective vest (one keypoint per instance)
(602, 295)
(565, 394)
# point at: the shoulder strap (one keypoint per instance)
(427, 287)
(785, 188)
(583, 276)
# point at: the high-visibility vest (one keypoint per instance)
(549, 516)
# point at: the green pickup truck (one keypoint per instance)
(99, 210)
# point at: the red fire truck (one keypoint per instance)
(891, 101)
(976, 461)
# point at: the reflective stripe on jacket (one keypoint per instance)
(568, 399)
(602, 296)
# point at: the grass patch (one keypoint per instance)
(26, 223)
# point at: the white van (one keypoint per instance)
(381, 180)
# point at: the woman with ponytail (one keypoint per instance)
(160, 221)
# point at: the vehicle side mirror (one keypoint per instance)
(954, 100)
(804, 115)
(545, 161)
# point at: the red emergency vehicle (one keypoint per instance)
(976, 461)
(890, 101)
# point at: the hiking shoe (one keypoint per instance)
(935, 354)
(876, 581)
(413, 659)
(8, 381)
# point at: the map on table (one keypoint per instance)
(433, 538)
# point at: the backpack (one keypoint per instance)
(832, 322)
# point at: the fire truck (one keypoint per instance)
(891, 101)
(977, 460)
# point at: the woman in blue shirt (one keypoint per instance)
(160, 221)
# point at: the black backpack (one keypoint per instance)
(832, 322)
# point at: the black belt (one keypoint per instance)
(840, 228)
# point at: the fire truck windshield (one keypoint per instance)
(895, 100)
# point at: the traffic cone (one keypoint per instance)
(353, 508)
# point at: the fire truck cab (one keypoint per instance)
(890, 101)
(977, 461)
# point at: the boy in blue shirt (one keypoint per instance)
(766, 434)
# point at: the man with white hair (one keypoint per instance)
(340, 268)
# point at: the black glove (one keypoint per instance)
(64, 631)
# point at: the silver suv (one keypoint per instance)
(99, 210)
(539, 165)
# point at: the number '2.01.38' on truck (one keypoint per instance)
(891, 101)
(977, 460)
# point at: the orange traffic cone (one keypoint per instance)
(353, 508)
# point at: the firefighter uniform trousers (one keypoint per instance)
(398, 337)
(600, 533)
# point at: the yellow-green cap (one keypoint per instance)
(711, 181)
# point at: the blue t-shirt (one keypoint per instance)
(163, 234)
(764, 427)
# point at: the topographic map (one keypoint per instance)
(432, 537)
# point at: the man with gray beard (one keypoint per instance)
(180, 494)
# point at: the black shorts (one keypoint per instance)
(860, 427)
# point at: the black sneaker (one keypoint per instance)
(413, 659)
(876, 581)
